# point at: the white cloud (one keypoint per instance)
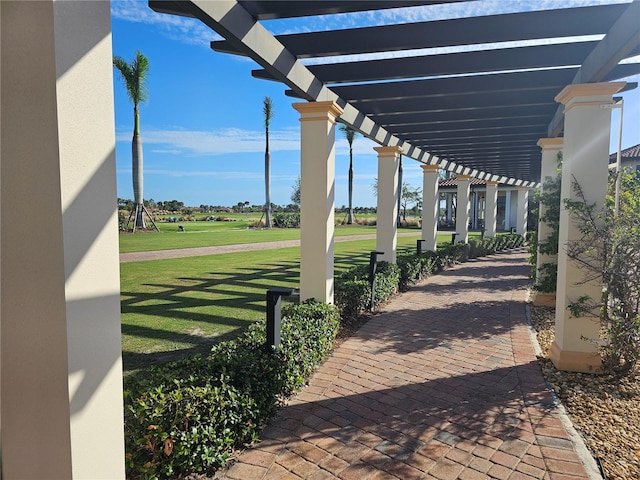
(219, 142)
(218, 175)
(422, 14)
(182, 29)
(179, 141)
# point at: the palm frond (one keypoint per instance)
(134, 76)
(267, 109)
(349, 133)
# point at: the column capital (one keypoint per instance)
(310, 111)
(590, 94)
(492, 183)
(430, 168)
(555, 143)
(387, 151)
(463, 177)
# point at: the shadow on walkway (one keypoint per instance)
(442, 384)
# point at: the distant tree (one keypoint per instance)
(267, 109)
(134, 76)
(349, 134)
(295, 195)
(125, 204)
(173, 205)
(409, 196)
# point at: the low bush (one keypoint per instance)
(286, 220)
(410, 270)
(352, 290)
(387, 280)
(188, 416)
(351, 296)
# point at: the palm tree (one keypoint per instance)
(349, 134)
(134, 76)
(267, 109)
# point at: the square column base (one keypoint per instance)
(543, 299)
(583, 362)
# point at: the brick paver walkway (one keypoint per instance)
(443, 384)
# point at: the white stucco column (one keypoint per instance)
(462, 208)
(386, 227)
(430, 206)
(507, 210)
(522, 211)
(491, 209)
(317, 187)
(587, 129)
(61, 370)
(551, 147)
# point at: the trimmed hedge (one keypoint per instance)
(352, 291)
(189, 416)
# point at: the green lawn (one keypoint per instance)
(205, 234)
(172, 308)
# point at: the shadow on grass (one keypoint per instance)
(222, 304)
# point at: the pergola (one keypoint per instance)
(478, 112)
(482, 113)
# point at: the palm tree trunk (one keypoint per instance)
(350, 213)
(399, 222)
(137, 172)
(267, 184)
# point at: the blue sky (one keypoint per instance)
(203, 126)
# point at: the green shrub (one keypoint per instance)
(351, 296)
(489, 245)
(188, 416)
(286, 220)
(410, 270)
(476, 248)
(352, 291)
(452, 254)
(387, 281)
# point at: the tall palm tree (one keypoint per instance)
(267, 109)
(134, 76)
(399, 221)
(349, 134)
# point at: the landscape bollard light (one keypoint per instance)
(453, 238)
(274, 317)
(419, 246)
(373, 261)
